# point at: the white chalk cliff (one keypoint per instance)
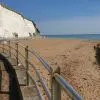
(12, 23)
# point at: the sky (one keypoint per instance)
(61, 16)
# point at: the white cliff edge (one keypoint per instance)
(13, 23)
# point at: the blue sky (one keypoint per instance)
(61, 16)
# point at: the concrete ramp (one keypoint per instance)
(9, 86)
(14, 81)
(29, 93)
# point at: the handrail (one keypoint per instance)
(21, 63)
(21, 45)
(42, 81)
(56, 79)
(46, 65)
(12, 48)
(35, 85)
(18, 59)
(67, 86)
(21, 54)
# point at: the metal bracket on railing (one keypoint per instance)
(56, 89)
(67, 87)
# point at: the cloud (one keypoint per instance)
(75, 25)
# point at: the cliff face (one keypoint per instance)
(12, 23)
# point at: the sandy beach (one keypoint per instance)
(76, 58)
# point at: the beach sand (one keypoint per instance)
(76, 58)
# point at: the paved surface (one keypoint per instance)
(9, 89)
(8, 83)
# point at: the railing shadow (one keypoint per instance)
(14, 88)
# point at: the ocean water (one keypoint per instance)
(80, 36)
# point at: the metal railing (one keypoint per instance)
(13, 48)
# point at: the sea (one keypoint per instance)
(75, 36)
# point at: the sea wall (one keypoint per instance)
(12, 23)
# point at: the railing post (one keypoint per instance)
(9, 48)
(56, 89)
(26, 64)
(16, 44)
(3, 47)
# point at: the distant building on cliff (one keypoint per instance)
(14, 24)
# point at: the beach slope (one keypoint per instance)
(76, 58)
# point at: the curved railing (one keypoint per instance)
(52, 90)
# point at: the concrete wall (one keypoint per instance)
(12, 22)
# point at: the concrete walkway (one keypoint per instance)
(8, 83)
(13, 81)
